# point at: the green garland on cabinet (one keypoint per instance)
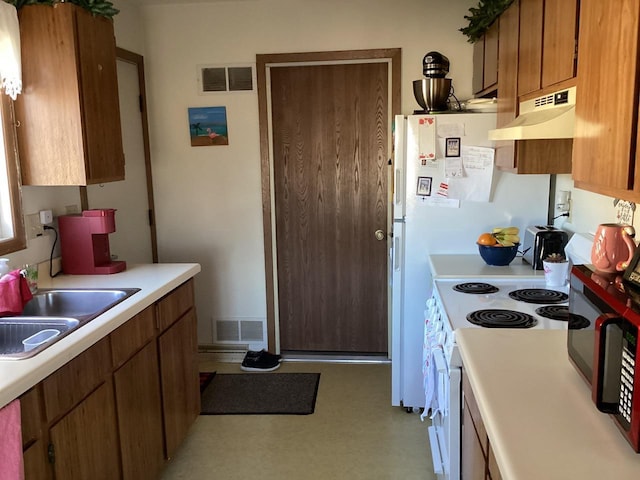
(482, 17)
(102, 8)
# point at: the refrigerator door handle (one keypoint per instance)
(399, 186)
(396, 254)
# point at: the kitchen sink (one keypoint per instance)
(15, 330)
(82, 304)
(52, 314)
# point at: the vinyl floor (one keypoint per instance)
(354, 434)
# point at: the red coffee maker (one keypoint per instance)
(84, 242)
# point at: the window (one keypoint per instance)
(12, 234)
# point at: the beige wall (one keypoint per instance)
(208, 199)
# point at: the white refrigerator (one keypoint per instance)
(445, 195)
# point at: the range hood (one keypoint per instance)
(548, 116)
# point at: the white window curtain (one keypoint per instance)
(10, 67)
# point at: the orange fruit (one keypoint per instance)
(487, 239)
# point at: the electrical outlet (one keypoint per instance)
(71, 209)
(33, 226)
(46, 217)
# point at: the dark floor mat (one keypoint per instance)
(259, 393)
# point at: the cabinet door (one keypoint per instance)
(72, 382)
(179, 379)
(36, 464)
(493, 470)
(86, 439)
(490, 62)
(70, 85)
(530, 46)
(559, 41)
(99, 90)
(175, 304)
(138, 404)
(473, 463)
(606, 96)
(508, 82)
(485, 61)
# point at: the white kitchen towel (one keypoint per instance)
(10, 66)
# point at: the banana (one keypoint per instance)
(507, 230)
(507, 236)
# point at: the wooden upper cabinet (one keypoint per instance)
(69, 116)
(547, 43)
(485, 62)
(530, 46)
(604, 153)
(508, 82)
(559, 41)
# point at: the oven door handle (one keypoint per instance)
(438, 358)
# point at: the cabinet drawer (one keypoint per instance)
(132, 336)
(31, 415)
(474, 412)
(72, 382)
(175, 304)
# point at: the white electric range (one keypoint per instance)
(450, 308)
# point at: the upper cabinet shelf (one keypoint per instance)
(69, 117)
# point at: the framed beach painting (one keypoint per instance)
(208, 126)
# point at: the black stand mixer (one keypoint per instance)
(432, 92)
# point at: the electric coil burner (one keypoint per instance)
(539, 295)
(497, 318)
(475, 287)
(554, 312)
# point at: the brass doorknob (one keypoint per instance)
(380, 235)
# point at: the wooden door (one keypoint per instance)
(134, 240)
(330, 161)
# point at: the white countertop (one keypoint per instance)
(538, 411)
(154, 280)
(460, 266)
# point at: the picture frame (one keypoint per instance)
(208, 126)
(423, 188)
(452, 147)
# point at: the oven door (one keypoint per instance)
(442, 382)
(440, 429)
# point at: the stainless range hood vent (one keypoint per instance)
(546, 117)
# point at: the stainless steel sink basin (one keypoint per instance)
(81, 304)
(15, 330)
(53, 314)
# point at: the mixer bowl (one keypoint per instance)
(432, 93)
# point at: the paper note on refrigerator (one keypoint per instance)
(427, 140)
(475, 183)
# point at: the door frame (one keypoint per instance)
(137, 60)
(264, 62)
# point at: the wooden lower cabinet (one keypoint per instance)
(86, 439)
(180, 381)
(122, 407)
(477, 458)
(36, 464)
(473, 460)
(140, 415)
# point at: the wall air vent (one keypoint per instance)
(225, 78)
